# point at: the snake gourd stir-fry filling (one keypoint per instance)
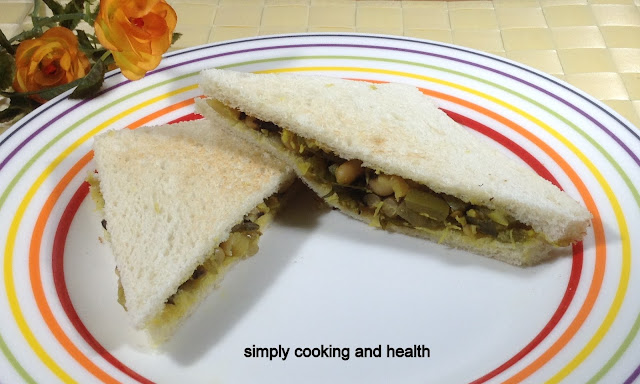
(242, 243)
(385, 199)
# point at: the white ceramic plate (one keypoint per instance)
(321, 279)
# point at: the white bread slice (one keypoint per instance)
(397, 129)
(171, 195)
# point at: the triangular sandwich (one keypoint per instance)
(181, 203)
(386, 155)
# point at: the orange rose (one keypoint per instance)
(136, 32)
(50, 60)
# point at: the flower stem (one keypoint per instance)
(36, 9)
(4, 42)
(42, 21)
(105, 55)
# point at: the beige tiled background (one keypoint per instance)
(592, 44)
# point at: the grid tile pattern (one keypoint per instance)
(592, 44)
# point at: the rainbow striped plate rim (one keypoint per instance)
(320, 279)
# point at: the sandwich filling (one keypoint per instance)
(385, 200)
(241, 243)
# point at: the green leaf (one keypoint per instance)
(26, 35)
(109, 60)
(85, 43)
(73, 7)
(50, 93)
(175, 37)
(70, 24)
(90, 16)
(54, 6)
(4, 42)
(18, 106)
(47, 94)
(9, 113)
(91, 83)
(97, 54)
(7, 70)
(94, 40)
